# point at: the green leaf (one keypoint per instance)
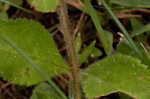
(135, 23)
(90, 50)
(44, 5)
(106, 41)
(141, 30)
(35, 42)
(109, 40)
(124, 48)
(86, 52)
(78, 43)
(96, 52)
(117, 73)
(133, 3)
(44, 91)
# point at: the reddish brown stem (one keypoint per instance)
(65, 25)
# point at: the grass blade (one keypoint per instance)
(96, 20)
(131, 42)
(14, 5)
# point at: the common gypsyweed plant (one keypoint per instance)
(29, 56)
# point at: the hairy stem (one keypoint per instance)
(64, 21)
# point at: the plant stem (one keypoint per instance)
(64, 21)
(131, 42)
(76, 3)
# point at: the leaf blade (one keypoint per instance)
(24, 35)
(117, 73)
(44, 91)
(44, 5)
